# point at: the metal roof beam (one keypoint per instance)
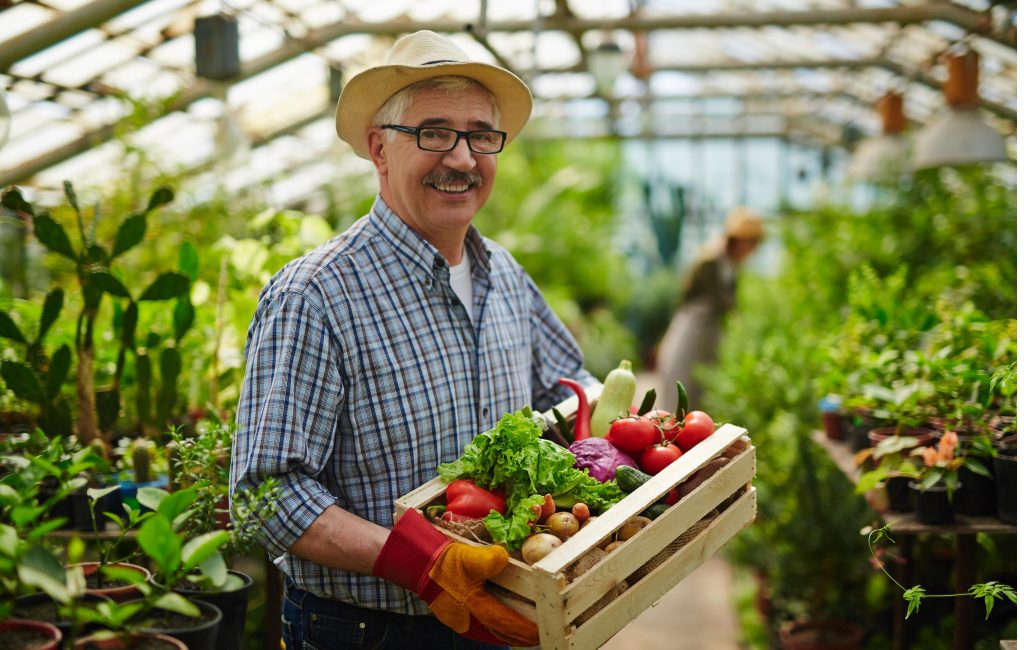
(38, 39)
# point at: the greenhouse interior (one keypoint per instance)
(722, 355)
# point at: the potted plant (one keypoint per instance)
(937, 480)
(892, 465)
(1005, 463)
(201, 461)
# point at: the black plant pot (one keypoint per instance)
(977, 494)
(40, 607)
(1006, 485)
(197, 634)
(233, 604)
(862, 423)
(933, 505)
(898, 490)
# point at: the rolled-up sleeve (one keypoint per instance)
(287, 412)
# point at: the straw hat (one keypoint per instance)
(744, 223)
(413, 58)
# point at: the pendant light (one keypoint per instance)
(606, 63)
(886, 155)
(959, 136)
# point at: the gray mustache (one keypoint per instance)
(452, 177)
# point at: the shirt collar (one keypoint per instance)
(421, 253)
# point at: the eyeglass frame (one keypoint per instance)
(459, 135)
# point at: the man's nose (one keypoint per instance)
(460, 158)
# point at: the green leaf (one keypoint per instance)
(109, 284)
(60, 364)
(198, 549)
(177, 603)
(129, 321)
(158, 541)
(151, 497)
(124, 574)
(52, 235)
(44, 528)
(108, 407)
(13, 200)
(162, 196)
(96, 254)
(23, 381)
(188, 260)
(95, 494)
(56, 421)
(913, 597)
(129, 234)
(168, 285)
(176, 503)
(8, 328)
(216, 569)
(52, 305)
(39, 568)
(23, 514)
(184, 314)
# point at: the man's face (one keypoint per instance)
(437, 194)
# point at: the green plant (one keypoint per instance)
(39, 378)
(890, 459)
(989, 592)
(940, 464)
(98, 408)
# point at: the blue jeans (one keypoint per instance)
(310, 622)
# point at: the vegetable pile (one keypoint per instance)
(533, 494)
(512, 456)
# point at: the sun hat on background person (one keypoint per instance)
(743, 223)
(417, 57)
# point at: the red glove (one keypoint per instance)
(450, 578)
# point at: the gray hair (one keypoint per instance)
(395, 107)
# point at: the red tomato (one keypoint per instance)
(666, 423)
(633, 435)
(658, 457)
(696, 426)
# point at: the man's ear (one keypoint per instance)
(375, 140)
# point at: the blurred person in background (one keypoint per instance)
(709, 293)
(382, 353)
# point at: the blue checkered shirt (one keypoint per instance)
(364, 373)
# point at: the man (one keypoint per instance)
(709, 293)
(379, 355)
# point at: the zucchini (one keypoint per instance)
(616, 398)
(630, 478)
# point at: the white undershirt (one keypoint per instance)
(462, 283)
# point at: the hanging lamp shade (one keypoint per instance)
(960, 136)
(886, 155)
(606, 63)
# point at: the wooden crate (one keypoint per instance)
(555, 602)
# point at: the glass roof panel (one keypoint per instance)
(779, 76)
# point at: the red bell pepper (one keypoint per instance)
(467, 500)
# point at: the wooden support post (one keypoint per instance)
(964, 611)
(903, 572)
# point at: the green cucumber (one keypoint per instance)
(616, 398)
(630, 478)
(656, 510)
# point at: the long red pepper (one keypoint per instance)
(582, 430)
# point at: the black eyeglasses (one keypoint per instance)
(440, 139)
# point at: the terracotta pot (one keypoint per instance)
(118, 642)
(38, 635)
(121, 593)
(832, 422)
(821, 635)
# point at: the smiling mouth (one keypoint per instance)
(452, 183)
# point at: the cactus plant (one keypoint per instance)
(142, 450)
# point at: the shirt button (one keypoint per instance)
(486, 411)
(455, 302)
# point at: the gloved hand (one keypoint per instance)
(450, 578)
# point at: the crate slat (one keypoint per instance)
(645, 593)
(635, 552)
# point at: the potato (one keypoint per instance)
(538, 546)
(611, 547)
(562, 525)
(633, 526)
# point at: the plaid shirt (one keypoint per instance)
(364, 373)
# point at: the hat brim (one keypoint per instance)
(366, 92)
